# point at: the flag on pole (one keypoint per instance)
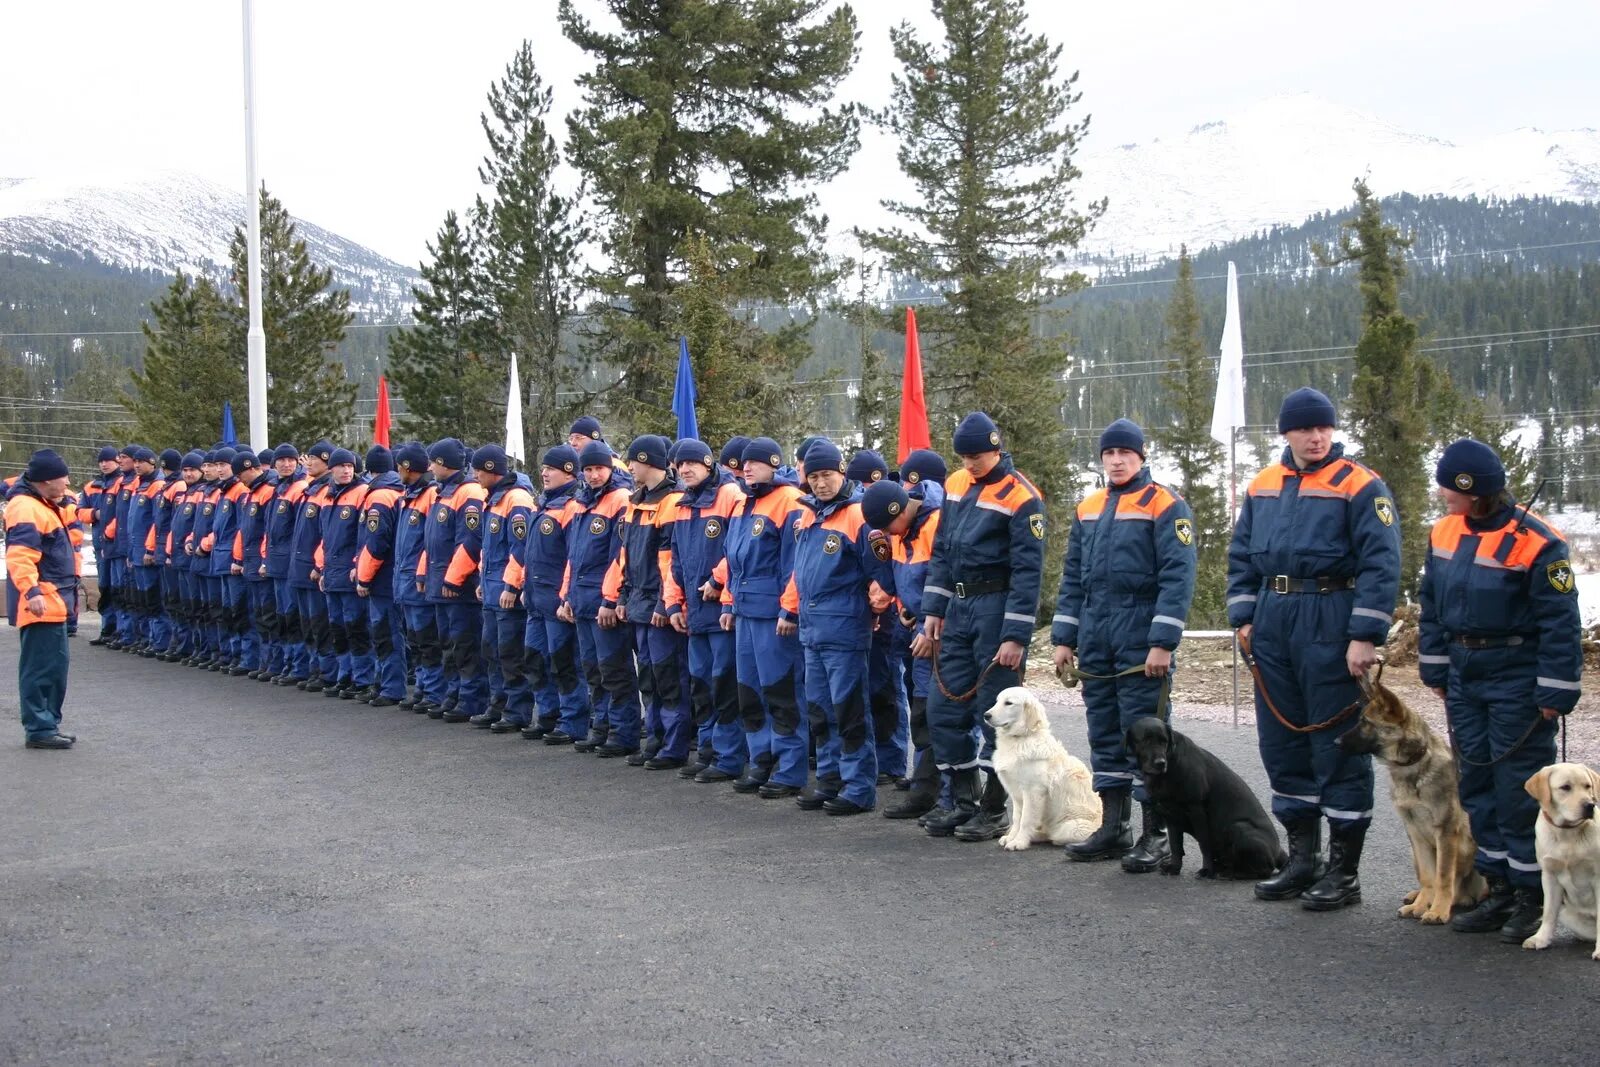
(514, 447)
(1228, 412)
(230, 436)
(683, 394)
(380, 425)
(913, 408)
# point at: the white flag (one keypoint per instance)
(514, 447)
(1228, 412)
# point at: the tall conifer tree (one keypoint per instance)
(190, 367)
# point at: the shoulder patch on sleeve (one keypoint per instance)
(1185, 531)
(1036, 524)
(880, 546)
(1385, 510)
(1561, 577)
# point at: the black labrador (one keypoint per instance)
(1201, 796)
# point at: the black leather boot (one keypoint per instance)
(596, 737)
(1302, 869)
(1339, 886)
(1528, 914)
(1115, 836)
(1152, 847)
(1490, 913)
(992, 819)
(964, 790)
(922, 789)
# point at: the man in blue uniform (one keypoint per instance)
(41, 582)
(411, 513)
(92, 508)
(292, 658)
(886, 691)
(1501, 644)
(449, 575)
(508, 510)
(1125, 592)
(594, 540)
(980, 600)
(1313, 570)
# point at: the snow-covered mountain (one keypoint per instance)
(166, 220)
(1286, 158)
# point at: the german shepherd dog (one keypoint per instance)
(1423, 783)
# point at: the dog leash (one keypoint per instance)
(1455, 748)
(1163, 701)
(962, 698)
(1266, 698)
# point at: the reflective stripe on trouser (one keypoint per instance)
(424, 650)
(1310, 683)
(1490, 704)
(836, 704)
(504, 631)
(460, 636)
(891, 724)
(347, 614)
(971, 639)
(314, 628)
(593, 676)
(294, 656)
(1110, 707)
(41, 676)
(387, 625)
(714, 697)
(777, 735)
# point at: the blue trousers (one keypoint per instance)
(891, 721)
(1489, 700)
(613, 651)
(460, 633)
(294, 658)
(112, 577)
(148, 621)
(42, 676)
(836, 702)
(347, 617)
(424, 651)
(189, 608)
(504, 637)
(1299, 644)
(172, 610)
(594, 678)
(260, 648)
(320, 656)
(558, 687)
(971, 638)
(661, 653)
(386, 623)
(210, 587)
(1112, 704)
(714, 699)
(776, 735)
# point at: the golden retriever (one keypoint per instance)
(1423, 784)
(1567, 841)
(1052, 793)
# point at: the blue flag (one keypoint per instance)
(683, 395)
(230, 436)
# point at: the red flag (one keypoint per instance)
(380, 425)
(913, 409)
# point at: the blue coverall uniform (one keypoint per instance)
(508, 510)
(424, 649)
(594, 540)
(375, 576)
(452, 546)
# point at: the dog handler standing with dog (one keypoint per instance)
(1125, 593)
(1501, 645)
(1313, 571)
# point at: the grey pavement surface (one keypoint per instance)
(224, 871)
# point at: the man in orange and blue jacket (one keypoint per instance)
(594, 540)
(447, 574)
(42, 579)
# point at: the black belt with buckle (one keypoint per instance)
(1490, 641)
(1282, 583)
(970, 589)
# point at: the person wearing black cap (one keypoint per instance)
(186, 508)
(910, 518)
(584, 431)
(42, 576)
(321, 663)
(291, 659)
(168, 638)
(1501, 645)
(837, 557)
(207, 607)
(145, 579)
(632, 594)
(373, 578)
(537, 568)
(91, 508)
(508, 511)
(250, 563)
(231, 611)
(886, 691)
(451, 548)
(696, 546)
(980, 598)
(605, 653)
(760, 558)
(347, 612)
(731, 458)
(1313, 571)
(1125, 591)
(409, 519)
(114, 576)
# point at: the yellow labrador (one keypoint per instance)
(1567, 842)
(1052, 793)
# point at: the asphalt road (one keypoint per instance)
(224, 871)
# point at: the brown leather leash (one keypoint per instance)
(1266, 698)
(962, 698)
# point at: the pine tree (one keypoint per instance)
(531, 244)
(1191, 383)
(308, 394)
(982, 122)
(190, 368)
(703, 116)
(1392, 391)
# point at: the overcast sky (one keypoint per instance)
(368, 110)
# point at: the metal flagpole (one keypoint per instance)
(256, 338)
